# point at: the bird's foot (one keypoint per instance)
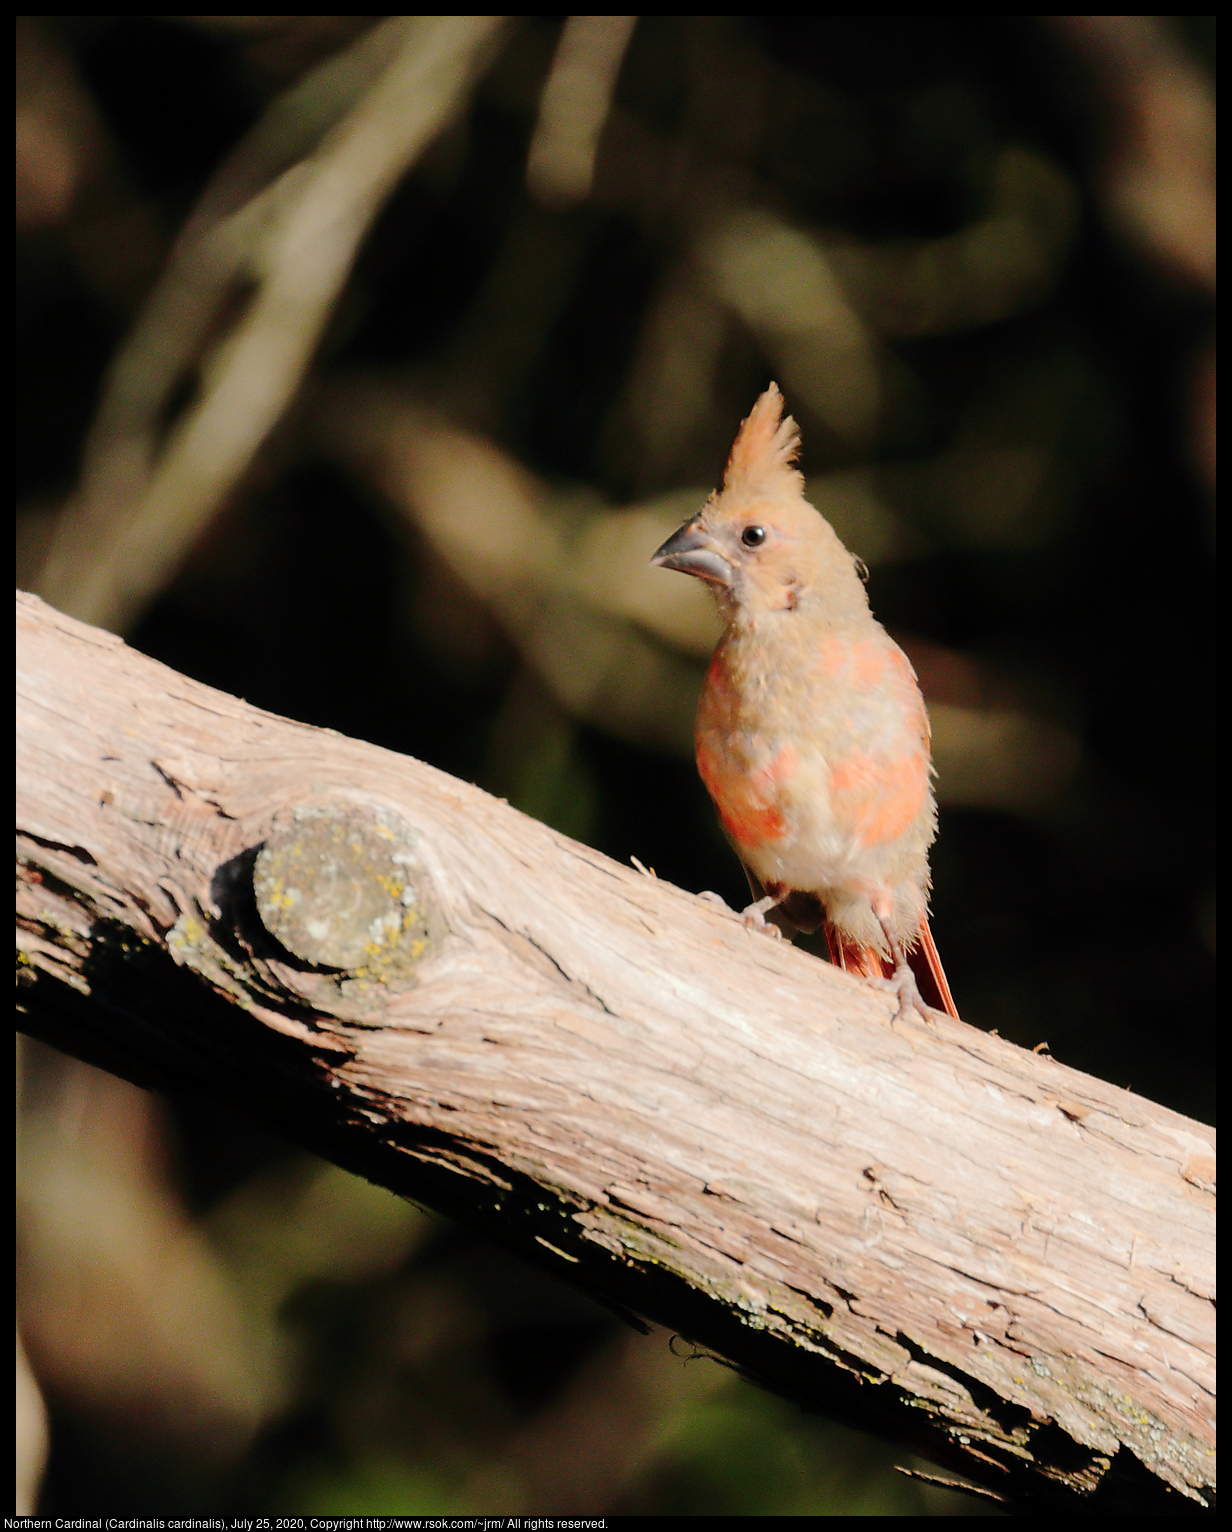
(755, 916)
(902, 983)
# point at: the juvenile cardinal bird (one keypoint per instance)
(812, 736)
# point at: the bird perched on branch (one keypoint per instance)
(812, 735)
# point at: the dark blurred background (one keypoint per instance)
(362, 364)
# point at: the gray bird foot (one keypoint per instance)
(904, 986)
(755, 916)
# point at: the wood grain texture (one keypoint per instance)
(918, 1227)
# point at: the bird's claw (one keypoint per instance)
(754, 917)
(903, 985)
(766, 927)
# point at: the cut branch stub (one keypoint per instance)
(342, 889)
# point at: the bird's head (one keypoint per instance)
(758, 543)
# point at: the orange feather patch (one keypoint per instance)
(747, 800)
(880, 799)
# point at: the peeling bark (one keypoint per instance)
(918, 1227)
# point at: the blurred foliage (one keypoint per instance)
(977, 254)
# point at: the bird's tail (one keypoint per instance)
(798, 911)
(868, 963)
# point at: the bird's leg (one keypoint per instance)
(755, 914)
(903, 980)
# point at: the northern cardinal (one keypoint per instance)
(812, 736)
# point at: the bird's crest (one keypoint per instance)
(765, 449)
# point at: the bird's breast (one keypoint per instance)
(819, 749)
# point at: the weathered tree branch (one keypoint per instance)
(917, 1226)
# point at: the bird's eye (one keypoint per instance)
(753, 537)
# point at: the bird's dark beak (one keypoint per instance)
(693, 551)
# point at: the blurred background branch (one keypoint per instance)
(1160, 164)
(292, 241)
(362, 364)
(574, 108)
